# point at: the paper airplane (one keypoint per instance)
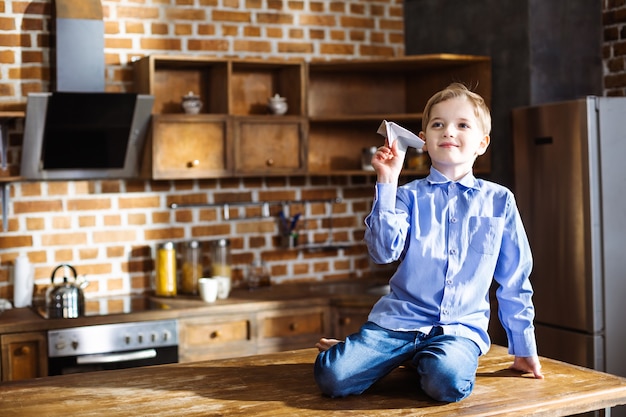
(405, 138)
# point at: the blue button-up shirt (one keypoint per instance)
(452, 238)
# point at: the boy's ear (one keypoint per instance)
(484, 144)
(422, 136)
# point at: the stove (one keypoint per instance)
(123, 304)
(112, 346)
(89, 348)
(118, 304)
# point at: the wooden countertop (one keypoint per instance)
(241, 300)
(281, 384)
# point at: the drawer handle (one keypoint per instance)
(293, 326)
(344, 321)
(193, 164)
(269, 162)
(215, 334)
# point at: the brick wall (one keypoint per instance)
(614, 48)
(108, 229)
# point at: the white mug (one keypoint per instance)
(208, 289)
(223, 286)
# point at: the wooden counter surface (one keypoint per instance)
(281, 384)
(241, 300)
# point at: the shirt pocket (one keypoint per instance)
(485, 234)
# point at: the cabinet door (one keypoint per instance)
(348, 320)
(296, 328)
(189, 146)
(202, 338)
(270, 145)
(24, 356)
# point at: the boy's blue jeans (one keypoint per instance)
(445, 364)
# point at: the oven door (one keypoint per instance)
(113, 360)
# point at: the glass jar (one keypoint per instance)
(191, 270)
(258, 275)
(165, 273)
(417, 159)
(220, 258)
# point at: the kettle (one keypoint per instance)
(66, 300)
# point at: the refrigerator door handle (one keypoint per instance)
(543, 140)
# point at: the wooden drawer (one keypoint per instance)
(291, 328)
(202, 338)
(186, 146)
(269, 145)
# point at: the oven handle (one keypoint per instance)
(116, 357)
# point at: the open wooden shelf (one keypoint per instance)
(334, 109)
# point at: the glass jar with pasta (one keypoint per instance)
(191, 269)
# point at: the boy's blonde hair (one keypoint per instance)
(456, 90)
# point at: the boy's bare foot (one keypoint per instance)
(325, 344)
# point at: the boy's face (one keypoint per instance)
(454, 137)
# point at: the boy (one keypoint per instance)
(453, 234)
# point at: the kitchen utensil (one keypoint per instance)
(67, 299)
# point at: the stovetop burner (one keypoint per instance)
(118, 304)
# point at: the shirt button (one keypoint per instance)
(452, 251)
(453, 220)
(445, 311)
(449, 281)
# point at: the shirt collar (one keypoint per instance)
(468, 181)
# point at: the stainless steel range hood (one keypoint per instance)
(84, 135)
(79, 131)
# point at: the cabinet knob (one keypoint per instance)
(193, 164)
(344, 321)
(293, 326)
(269, 162)
(215, 334)
(23, 351)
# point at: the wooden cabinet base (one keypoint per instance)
(24, 356)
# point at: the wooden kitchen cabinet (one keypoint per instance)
(348, 100)
(234, 134)
(203, 338)
(188, 146)
(270, 146)
(24, 355)
(348, 320)
(334, 110)
(293, 328)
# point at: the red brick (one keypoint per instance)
(7, 242)
(89, 204)
(230, 16)
(115, 236)
(208, 45)
(64, 239)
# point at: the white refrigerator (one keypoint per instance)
(570, 185)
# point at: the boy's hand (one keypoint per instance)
(388, 162)
(528, 364)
